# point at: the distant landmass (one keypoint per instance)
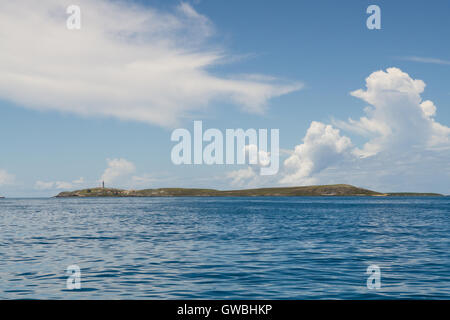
(307, 191)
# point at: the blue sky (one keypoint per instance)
(319, 51)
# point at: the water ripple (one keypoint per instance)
(225, 248)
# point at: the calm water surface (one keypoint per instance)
(225, 248)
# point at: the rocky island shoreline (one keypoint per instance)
(305, 191)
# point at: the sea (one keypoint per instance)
(225, 248)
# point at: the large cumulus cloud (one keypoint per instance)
(405, 145)
(322, 146)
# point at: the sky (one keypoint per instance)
(365, 107)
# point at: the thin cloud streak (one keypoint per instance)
(427, 60)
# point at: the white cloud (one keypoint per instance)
(243, 177)
(121, 173)
(255, 156)
(322, 147)
(79, 181)
(59, 185)
(427, 60)
(63, 185)
(117, 171)
(43, 185)
(6, 178)
(405, 145)
(398, 118)
(428, 108)
(127, 61)
(142, 181)
(251, 176)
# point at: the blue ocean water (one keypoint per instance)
(225, 248)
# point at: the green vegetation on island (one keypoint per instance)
(415, 194)
(307, 191)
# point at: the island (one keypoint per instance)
(305, 191)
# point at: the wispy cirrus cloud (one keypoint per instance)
(426, 60)
(128, 61)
